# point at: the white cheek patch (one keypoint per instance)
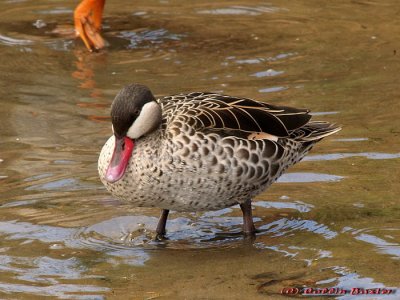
(148, 120)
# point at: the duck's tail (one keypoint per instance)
(314, 131)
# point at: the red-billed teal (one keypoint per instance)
(201, 151)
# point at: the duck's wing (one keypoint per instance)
(209, 111)
(314, 131)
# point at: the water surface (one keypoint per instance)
(332, 221)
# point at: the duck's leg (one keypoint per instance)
(87, 16)
(162, 222)
(248, 225)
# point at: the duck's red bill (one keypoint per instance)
(120, 159)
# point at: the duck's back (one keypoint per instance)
(214, 151)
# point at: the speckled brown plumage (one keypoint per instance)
(206, 153)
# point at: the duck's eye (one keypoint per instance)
(136, 112)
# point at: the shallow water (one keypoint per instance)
(332, 221)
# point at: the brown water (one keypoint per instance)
(332, 221)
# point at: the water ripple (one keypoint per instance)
(8, 41)
(140, 38)
(126, 233)
(66, 184)
(240, 10)
(258, 60)
(336, 156)
(348, 280)
(63, 291)
(296, 205)
(273, 89)
(382, 245)
(285, 226)
(267, 73)
(308, 177)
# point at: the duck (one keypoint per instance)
(87, 19)
(201, 151)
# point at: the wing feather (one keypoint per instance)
(210, 111)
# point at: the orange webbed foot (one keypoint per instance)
(87, 16)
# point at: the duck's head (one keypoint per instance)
(134, 113)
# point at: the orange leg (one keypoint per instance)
(87, 18)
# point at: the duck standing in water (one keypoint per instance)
(201, 151)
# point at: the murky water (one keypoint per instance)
(332, 221)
